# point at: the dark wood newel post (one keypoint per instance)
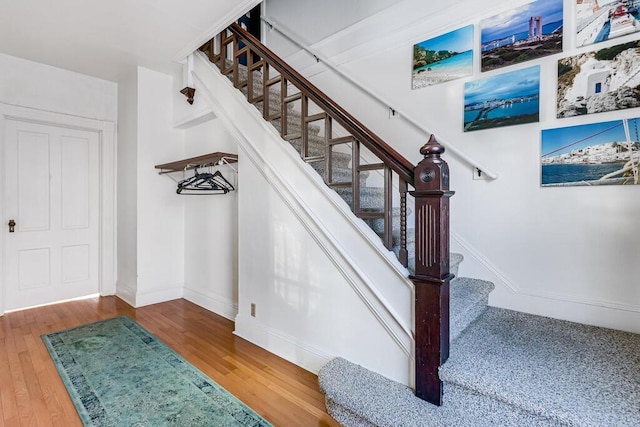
(432, 277)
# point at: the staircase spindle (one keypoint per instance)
(283, 107)
(403, 254)
(355, 165)
(227, 40)
(304, 127)
(388, 208)
(328, 147)
(266, 110)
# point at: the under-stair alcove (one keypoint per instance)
(210, 220)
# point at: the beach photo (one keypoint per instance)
(605, 153)
(600, 20)
(504, 100)
(527, 32)
(598, 81)
(443, 58)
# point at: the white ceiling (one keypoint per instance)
(107, 38)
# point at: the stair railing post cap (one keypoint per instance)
(432, 173)
(432, 147)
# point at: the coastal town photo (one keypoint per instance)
(598, 81)
(522, 34)
(602, 153)
(600, 20)
(507, 99)
(443, 58)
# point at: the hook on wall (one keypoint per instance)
(187, 78)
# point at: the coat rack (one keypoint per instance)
(201, 183)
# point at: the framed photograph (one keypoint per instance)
(602, 153)
(506, 99)
(600, 20)
(527, 32)
(443, 58)
(603, 80)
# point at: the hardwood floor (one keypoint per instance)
(32, 394)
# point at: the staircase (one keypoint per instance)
(506, 368)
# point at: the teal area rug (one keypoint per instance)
(118, 374)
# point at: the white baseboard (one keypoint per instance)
(567, 308)
(126, 293)
(288, 347)
(154, 296)
(215, 303)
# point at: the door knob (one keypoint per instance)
(12, 225)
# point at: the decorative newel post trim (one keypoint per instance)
(432, 277)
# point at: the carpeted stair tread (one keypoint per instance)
(469, 298)
(570, 373)
(356, 396)
(454, 262)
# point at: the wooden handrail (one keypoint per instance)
(386, 153)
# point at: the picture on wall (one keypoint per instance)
(506, 99)
(443, 58)
(598, 81)
(521, 34)
(600, 20)
(602, 153)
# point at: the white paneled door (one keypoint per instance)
(52, 195)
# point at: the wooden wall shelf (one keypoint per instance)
(199, 161)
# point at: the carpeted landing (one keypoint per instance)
(506, 369)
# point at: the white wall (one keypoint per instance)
(160, 225)
(210, 222)
(172, 246)
(127, 187)
(155, 238)
(34, 85)
(561, 252)
(211, 228)
(185, 115)
(306, 310)
(337, 16)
